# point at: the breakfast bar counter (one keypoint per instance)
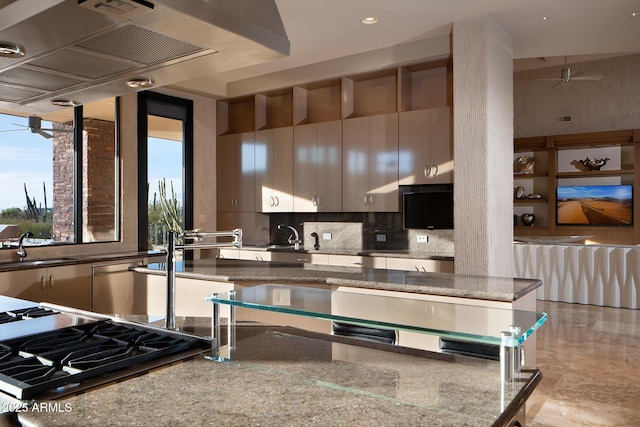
(284, 376)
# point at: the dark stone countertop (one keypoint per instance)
(30, 263)
(444, 284)
(285, 377)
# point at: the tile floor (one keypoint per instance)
(590, 362)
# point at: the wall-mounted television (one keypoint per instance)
(606, 205)
(427, 207)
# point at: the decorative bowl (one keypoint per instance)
(594, 164)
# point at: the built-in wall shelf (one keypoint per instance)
(416, 86)
(274, 109)
(527, 201)
(594, 173)
(317, 102)
(425, 85)
(559, 161)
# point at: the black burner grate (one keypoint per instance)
(41, 363)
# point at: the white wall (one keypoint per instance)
(612, 103)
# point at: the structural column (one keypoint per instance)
(483, 147)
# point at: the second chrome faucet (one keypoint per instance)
(294, 239)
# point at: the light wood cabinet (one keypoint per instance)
(317, 167)
(357, 261)
(304, 257)
(68, 285)
(422, 265)
(425, 149)
(235, 172)
(274, 170)
(370, 156)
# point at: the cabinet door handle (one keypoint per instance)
(365, 200)
(277, 201)
(318, 200)
(436, 170)
(42, 283)
(51, 282)
(271, 202)
(302, 259)
(416, 268)
(371, 201)
(314, 201)
(427, 170)
(423, 269)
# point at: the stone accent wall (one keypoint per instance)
(99, 214)
(63, 172)
(98, 189)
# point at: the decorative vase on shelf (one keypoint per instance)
(524, 165)
(528, 219)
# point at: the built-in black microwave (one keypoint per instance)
(428, 206)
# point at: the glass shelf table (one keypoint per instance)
(502, 327)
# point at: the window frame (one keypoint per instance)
(157, 104)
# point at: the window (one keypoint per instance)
(165, 167)
(61, 177)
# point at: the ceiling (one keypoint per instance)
(323, 31)
(328, 29)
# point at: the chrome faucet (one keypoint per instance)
(22, 252)
(294, 239)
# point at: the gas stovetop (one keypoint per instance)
(25, 314)
(63, 361)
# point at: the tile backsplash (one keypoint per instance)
(360, 231)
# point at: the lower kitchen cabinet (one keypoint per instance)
(190, 295)
(304, 257)
(424, 265)
(68, 285)
(117, 290)
(357, 261)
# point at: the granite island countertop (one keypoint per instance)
(287, 378)
(444, 284)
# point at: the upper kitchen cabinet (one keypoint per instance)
(235, 172)
(425, 146)
(370, 156)
(274, 170)
(317, 167)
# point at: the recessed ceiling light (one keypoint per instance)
(635, 14)
(369, 20)
(545, 18)
(64, 103)
(140, 83)
(11, 50)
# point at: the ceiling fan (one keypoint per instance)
(35, 126)
(568, 75)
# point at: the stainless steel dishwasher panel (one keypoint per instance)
(118, 290)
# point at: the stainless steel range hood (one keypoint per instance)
(86, 50)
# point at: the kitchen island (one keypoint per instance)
(285, 376)
(196, 279)
(441, 284)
